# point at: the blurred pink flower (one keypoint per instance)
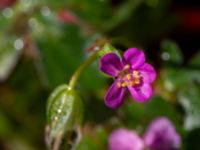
(6, 3)
(123, 139)
(67, 16)
(162, 135)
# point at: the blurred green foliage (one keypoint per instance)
(39, 51)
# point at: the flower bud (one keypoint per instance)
(64, 117)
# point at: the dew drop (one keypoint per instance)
(7, 12)
(63, 100)
(18, 44)
(165, 56)
(59, 111)
(55, 118)
(45, 11)
(32, 22)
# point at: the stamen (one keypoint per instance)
(136, 74)
(128, 77)
(137, 80)
(128, 83)
(119, 84)
(131, 83)
(124, 84)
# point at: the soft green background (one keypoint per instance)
(38, 52)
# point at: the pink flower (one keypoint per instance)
(161, 135)
(131, 72)
(123, 139)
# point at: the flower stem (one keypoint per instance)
(81, 68)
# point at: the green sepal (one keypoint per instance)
(64, 118)
(173, 51)
(105, 49)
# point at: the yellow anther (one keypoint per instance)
(137, 77)
(119, 84)
(128, 76)
(129, 83)
(137, 81)
(136, 74)
(132, 83)
(124, 84)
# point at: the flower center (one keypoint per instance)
(128, 78)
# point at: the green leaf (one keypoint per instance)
(176, 78)
(134, 114)
(10, 51)
(195, 60)
(88, 77)
(122, 13)
(189, 97)
(62, 55)
(64, 116)
(171, 52)
(92, 11)
(87, 144)
(192, 140)
(5, 126)
(159, 107)
(99, 142)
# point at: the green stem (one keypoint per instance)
(81, 68)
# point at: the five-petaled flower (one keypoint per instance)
(131, 72)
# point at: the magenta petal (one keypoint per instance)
(114, 96)
(123, 139)
(135, 57)
(111, 64)
(147, 72)
(141, 93)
